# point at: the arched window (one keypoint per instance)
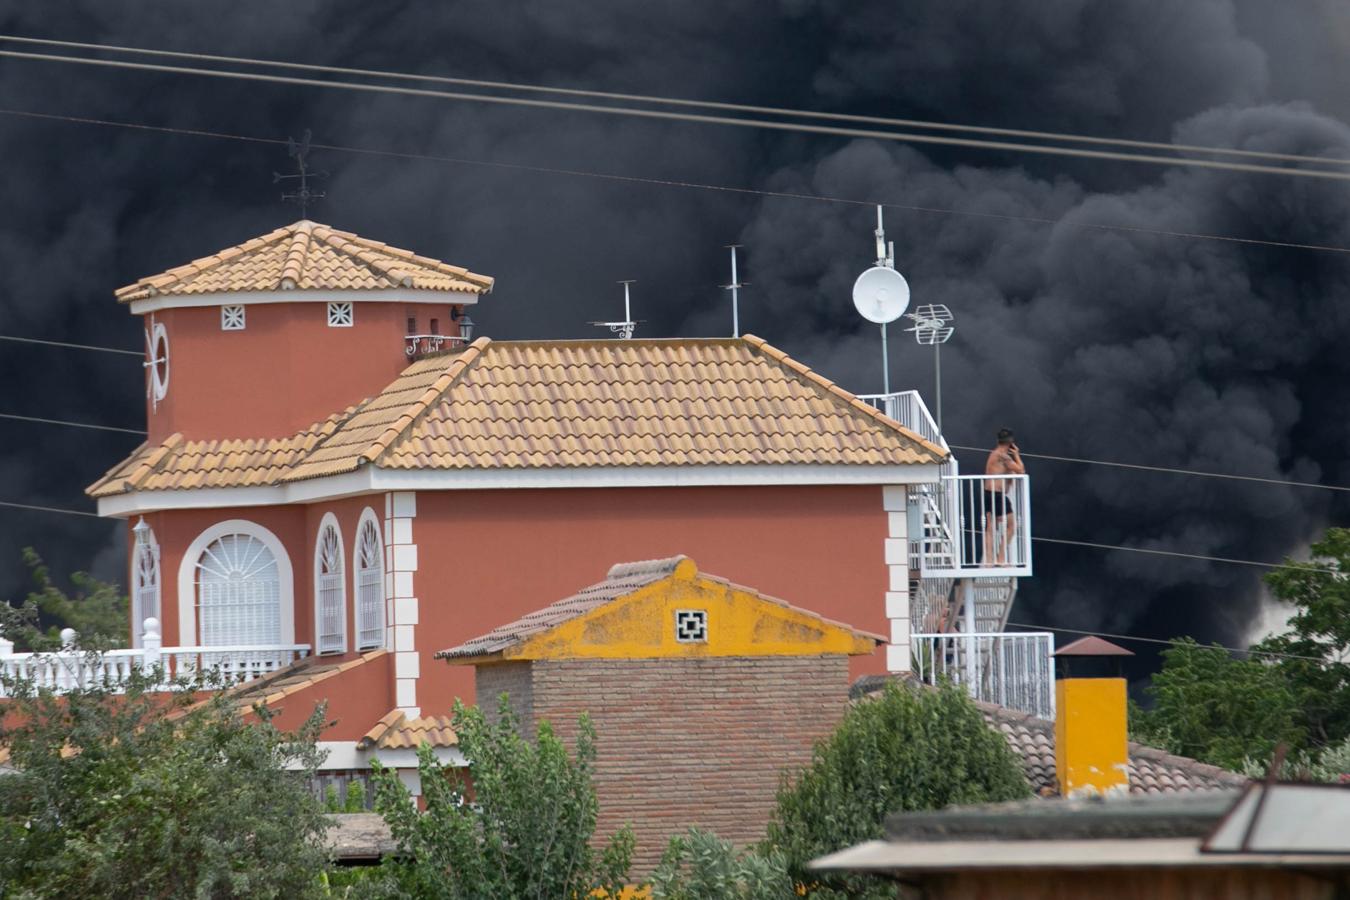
(330, 589)
(238, 592)
(369, 583)
(144, 579)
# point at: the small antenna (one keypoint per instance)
(735, 288)
(300, 153)
(933, 327)
(625, 328)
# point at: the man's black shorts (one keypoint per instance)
(997, 504)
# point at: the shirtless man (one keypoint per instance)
(1004, 459)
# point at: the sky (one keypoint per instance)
(1091, 342)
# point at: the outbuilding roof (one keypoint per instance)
(395, 731)
(501, 405)
(641, 629)
(307, 256)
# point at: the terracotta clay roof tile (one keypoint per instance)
(564, 404)
(395, 731)
(307, 256)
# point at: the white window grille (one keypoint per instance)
(330, 592)
(691, 626)
(145, 579)
(238, 593)
(340, 314)
(369, 586)
(232, 318)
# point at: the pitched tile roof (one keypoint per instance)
(307, 256)
(623, 579)
(561, 404)
(395, 731)
(1032, 739)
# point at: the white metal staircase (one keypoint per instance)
(969, 543)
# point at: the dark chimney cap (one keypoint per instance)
(1092, 646)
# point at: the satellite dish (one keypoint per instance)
(881, 295)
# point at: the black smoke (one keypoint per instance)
(1105, 343)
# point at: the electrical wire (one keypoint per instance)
(681, 102)
(1178, 555)
(28, 340)
(664, 115)
(1170, 641)
(1168, 471)
(52, 509)
(668, 182)
(71, 424)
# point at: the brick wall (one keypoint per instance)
(512, 678)
(686, 742)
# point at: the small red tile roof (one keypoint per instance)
(307, 256)
(1092, 646)
(623, 579)
(395, 731)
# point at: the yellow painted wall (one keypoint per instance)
(1091, 745)
(740, 623)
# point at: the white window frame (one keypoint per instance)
(341, 313)
(187, 578)
(158, 387)
(368, 579)
(232, 318)
(330, 588)
(145, 584)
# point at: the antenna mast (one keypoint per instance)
(881, 294)
(304, 196)
(735, 288)
(625, 328)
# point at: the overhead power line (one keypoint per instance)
(1169, 641)
(666, 115)
(1169, 471)
(50, 509)
(670, 182)
(683, 102)
(1178, 555)
(28, 340)
(70, 424)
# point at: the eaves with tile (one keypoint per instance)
(559, 404)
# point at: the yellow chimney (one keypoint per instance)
(1091, 743)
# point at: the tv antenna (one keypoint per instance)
(881, 295)
(304, 196)
(933, 327)
(625, 328)
(735, 288)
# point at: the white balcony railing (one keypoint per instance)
(71, 667)
(1014, 670)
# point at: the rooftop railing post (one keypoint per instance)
(151, 644)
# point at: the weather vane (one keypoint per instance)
(304, 196)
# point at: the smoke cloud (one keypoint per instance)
(1093, 342)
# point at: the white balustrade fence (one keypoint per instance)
(1011, 669)
(71, 667)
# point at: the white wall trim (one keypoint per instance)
(895, 551)
(330, 519)
(250, 298)
(372, 479)
(187, 578)
(345, 755)
(400, 563)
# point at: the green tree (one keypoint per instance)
(1218, 709)
(147, 793)
(97, 610)
(701, 866)
(1294, 690)
(517, 823)
(906, 749)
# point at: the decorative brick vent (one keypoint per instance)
(340, 315)
(691, 626)
(232, 318)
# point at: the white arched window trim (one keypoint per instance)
(330, 588)
(146, 581)
(368, 582)
(187, 577)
